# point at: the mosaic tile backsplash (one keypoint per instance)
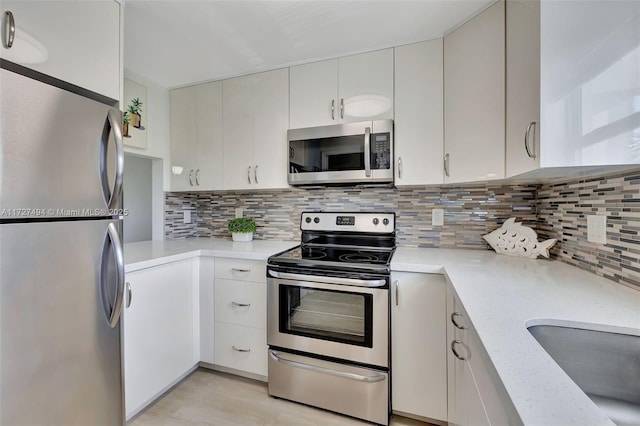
(470, 211)
(555, 210)
(562, 213)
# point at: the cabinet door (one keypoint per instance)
(238, 100)
(314, 94)
(158, 331)
(206, 301)
(208, 136)
(590, 81)
(241, 302)
(418, 354)
(271, 121)
(365, 86)
(77, 42)
(183, 137)
(419, 113)
(474, 105)
(523, 86)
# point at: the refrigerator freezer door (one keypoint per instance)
(61, 154)
(61, 357)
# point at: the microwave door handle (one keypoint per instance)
(367, 151)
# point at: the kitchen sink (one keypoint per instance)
(605, 365)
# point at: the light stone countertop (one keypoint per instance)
(504, 295)
(146, 254)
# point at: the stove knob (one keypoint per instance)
(376, 221)
(308, 220)
(385, 222)
(316, 220)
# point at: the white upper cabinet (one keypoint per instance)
(474, 98)
(353, 88)
(208, 136)
(183, 136)
(196, 137)
(573, 69)
(365, 86)
(590, 83)
(523, 86)
(77, 42)
(313, 94)
(418, 127)
(255, 123)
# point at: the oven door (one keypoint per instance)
(344, 153)
(334, 320)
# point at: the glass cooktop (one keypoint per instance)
(346, 256)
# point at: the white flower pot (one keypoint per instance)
(245, 236)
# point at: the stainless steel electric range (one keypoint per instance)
(328, 315)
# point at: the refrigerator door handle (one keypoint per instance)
(112, 126)
(112, 240)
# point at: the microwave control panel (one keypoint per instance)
(381, 151)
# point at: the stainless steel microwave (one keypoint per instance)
(349, 153)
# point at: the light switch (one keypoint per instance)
(187, 216)
(437, 217)
(239, 212)
(597, 229)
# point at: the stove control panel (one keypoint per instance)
(377, 223)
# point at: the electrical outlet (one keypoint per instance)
(187, 216)
(597, 229)
(437, 217)
(239, 212)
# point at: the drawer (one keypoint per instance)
(240, 347)
(241, 269)
(231, 298)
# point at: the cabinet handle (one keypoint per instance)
(399, 167)
(333, 109)
(191, 177)
(367, 152)
(446, 165)
(240, 270)
(129, 294)
(249, 174)
(255, 174)
(10, 29)
(455, 323)
(453, 349)
(240, 349)
(198, 177)
(241, 305)
(341, 107)
(396, 285)
(530, 153)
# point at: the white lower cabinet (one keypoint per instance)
(161, 330)
(241, 348)
(418, 345)
(476, 396)
(241, 315)
(206, 282)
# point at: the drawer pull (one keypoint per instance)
(242, 305)
(239, 349)
(453, 349)
(454, 322)
(240, 270)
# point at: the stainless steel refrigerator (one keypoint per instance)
(61, 259)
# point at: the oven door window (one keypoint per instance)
(338, 316)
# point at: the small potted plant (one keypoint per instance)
(125, 123)
(242, 228)
(135, 112)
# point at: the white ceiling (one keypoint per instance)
(181, 42)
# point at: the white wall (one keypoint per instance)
(137, 198)
(157, 111)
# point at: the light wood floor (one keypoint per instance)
(212, 398)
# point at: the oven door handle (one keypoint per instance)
(328, 280)
(343, 374)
